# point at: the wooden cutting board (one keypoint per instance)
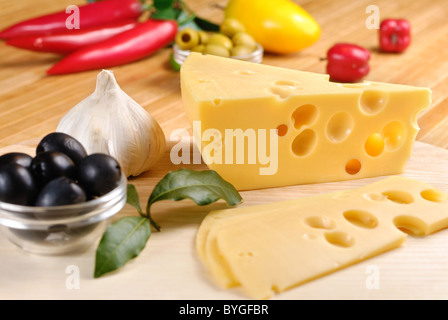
(168, 268)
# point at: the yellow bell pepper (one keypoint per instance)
(279, 26)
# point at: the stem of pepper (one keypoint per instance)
(393, 38)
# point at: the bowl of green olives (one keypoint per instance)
(232, 41)
(60, 199)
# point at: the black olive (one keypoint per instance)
(52, 164)
(62, 142)
(98, 174)
(16, 157)
(60, 191)
(17, 184)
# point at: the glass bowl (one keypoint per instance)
(61, 229)
(256, 56)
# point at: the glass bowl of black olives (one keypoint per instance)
(60, 199)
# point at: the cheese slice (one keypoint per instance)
(271, 248)
(262, 126)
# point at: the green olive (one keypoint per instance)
(187, 38)
(198, 48)
(244, 39)
(203, 36)
(221, 40)
(217, 50)
(241, 50)
(231, 26)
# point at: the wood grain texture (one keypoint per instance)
(169, 268)
(31, 105)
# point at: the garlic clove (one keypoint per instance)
(111, 122)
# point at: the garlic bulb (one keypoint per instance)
(111, 122)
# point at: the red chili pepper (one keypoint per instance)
(347, 62)
(128, 46)
(395, 35)
(71, 40)
(90, 15)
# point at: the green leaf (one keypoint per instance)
(190, 20)
(206, 25)
(122, 241)
(203, 187)
(165, 14)
(186, 20)
(174, 65)
(133, 199)
(163, 4)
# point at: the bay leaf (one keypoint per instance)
(122, 241)
(203, 187)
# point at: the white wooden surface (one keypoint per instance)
(168, 268)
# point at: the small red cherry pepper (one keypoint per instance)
(71, 40)
(128, 46)
(395, 35)
(347, 62)
(90, 14)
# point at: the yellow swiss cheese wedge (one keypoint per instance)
(271, 248)
(262, 126)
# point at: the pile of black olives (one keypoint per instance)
(60, 173)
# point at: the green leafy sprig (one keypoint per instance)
(179, 11)
(175, 10)
(127, 237)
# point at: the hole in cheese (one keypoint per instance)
(353, 166)
(340, 126)
(433, 195)
(361, 218)
(374, 145)
(340, 239)
(280, 92)
(304, 143)
(375, 197)
(282, 130)
(400, 197)
(304, 115)
(373, 101)
(287, 83)
(394, 135)
(320, 222)
(217, 101)
(410, 225)
(414, 119)
(245, 72)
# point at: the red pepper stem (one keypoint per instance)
(393, 38)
